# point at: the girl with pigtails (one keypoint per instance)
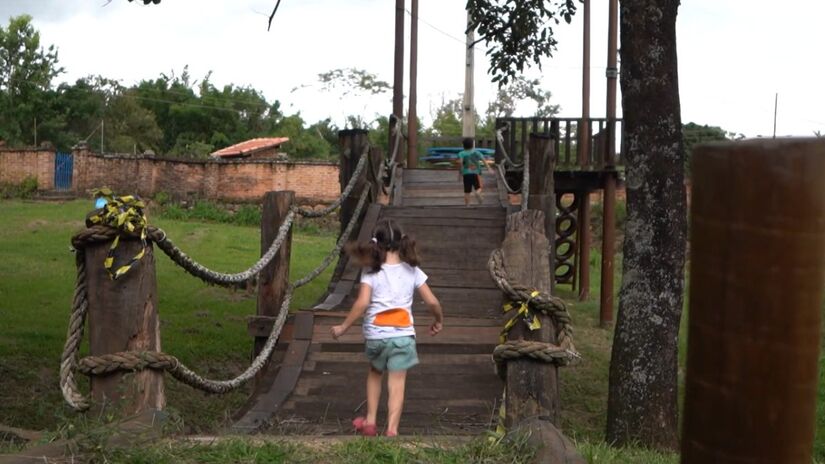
(385, 297)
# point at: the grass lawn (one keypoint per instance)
(205, 327)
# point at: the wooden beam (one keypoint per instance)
(757, 280)
(123, 316)
(532, 387)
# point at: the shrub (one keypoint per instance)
(23, 190)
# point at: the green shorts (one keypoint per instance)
(392, 354)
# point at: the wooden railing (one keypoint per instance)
(565, 132)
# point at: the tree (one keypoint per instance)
(694, 134)
(517, 32)
(642, 404)
(517, 90)
(26, 73)
(642, 399)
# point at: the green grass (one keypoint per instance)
(204, 326)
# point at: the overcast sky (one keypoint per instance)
(734, 55)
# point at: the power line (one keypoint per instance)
(461, 41)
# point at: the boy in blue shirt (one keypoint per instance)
(470, 163)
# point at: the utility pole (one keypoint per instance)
(775, 106)
(35, 131)
(469, 119)
(583, 151)
(398, 76)
(412, 124)
(101, 136)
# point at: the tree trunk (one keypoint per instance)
(642, 402)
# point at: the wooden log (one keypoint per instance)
(542, 193)
(608, 250)
(352, 143)
(532, 386)
(274, 278)
(123, 316)
(756, 291)
(583, 239)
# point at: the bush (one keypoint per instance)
(247, 215)
(23, 190)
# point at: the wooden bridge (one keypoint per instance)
(319, 384)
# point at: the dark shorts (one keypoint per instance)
(470, 182)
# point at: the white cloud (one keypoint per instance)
(733, 55)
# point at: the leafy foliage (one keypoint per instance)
(353, 81)
(517, 32)
(26, 73)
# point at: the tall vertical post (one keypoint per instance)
(274, 278)
(583, 150)
(542, 195)
(123, 316)
(754, 331)
(397, 75)
(352, 143)
(609, 201)
(468, 117)
(412, 124)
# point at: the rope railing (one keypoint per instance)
(525, 183)
(500, 141)
(138, 360)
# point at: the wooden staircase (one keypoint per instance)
(320, 383)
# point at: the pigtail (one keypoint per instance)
(387, 236)
(407, 250)
(368, 254)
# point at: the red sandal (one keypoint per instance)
(361, 426)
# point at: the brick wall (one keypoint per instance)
(17, 165)
(230, 180)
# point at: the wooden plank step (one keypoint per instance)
(495, 212)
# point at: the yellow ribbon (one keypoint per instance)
(124, 213)
(522, 312)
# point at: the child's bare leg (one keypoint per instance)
(466, 199)
(395, 404)
(373, 394)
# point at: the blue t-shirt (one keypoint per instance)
(471, 161)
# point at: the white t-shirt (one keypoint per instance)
(392, 289)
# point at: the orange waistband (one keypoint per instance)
(396, 317)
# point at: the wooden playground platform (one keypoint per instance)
(318, 384)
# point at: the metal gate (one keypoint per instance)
(63, 171)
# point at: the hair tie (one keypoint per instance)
(374, 240)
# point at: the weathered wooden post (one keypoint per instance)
(532, 402)
(532, 387)
(352, 143)
(373, 174)
(542, 191)
(756, 291)
(274, 278)
(123, 316)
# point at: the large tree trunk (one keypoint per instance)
(642, 404)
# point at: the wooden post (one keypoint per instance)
(583, 239)
(756, 291)
(373, 175)
(542, 193)
(353, 142)
(275, 277)
(123, 316)
(532, 387)
(608, 249)
(412, 114)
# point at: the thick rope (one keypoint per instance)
(341, 241)
(500, 140)
(344, 194)
(501, 174)
(138, 360)
(525, 183)
(218, 278)
(554, 307)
